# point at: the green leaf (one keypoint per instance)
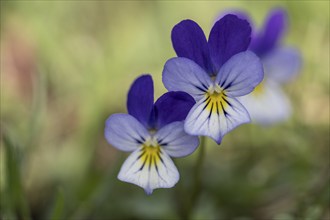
(14, 190)
(57, 211)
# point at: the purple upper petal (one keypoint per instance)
(271, 34)
(170, 107)
(140, 99)
(239, 13)
(189, 41)
(229, 36)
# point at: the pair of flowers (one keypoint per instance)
(204, 84)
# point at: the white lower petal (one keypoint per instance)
(267, 105)
(215, 119)
(175, 141)
(149, 170)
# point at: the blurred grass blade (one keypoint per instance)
(38, 107)
(14, 184)
(57, 211)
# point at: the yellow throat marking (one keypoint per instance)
(216, 102)
(150, 156)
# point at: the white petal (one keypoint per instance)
(215, 118)
(124, 132)
(267, 105)
(175, 141)
(240, 74)
(149, 170)
(182, 74)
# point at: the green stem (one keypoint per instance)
(198, 171)
(197, 186)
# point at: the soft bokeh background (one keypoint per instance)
(67, 65)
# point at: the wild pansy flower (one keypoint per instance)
(153, 133)
(268, 104)
(214, 72)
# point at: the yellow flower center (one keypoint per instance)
(150, 155)
(216, 101)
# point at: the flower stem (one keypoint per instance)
(197, 184)
(198, 172)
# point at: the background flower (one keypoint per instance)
(268, 104)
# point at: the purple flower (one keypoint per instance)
(214, 72)
(153, 133)
(268, 104)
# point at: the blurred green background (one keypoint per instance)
(67, 65)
